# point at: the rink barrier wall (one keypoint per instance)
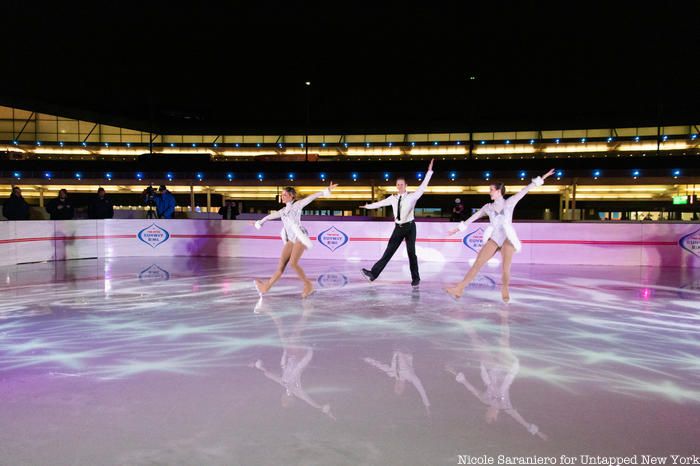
(622, 244)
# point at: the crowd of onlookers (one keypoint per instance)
(161, 202)
(58, 208)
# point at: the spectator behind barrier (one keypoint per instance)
(100, 207)
(457, 211)
(229, 211)
(165, 203)
(60, 208)
(15, 207)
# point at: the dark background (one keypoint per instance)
(374, 66)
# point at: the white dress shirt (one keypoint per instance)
(408, 201)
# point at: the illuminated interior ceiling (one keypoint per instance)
(36, 134)
(364, 192)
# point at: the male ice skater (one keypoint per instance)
(402, 204)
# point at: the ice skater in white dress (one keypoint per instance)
(500, 234)
(294, 235)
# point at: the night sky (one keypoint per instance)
(374, 68)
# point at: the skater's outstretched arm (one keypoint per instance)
(301, 203)
(376, 205)
(465, 224)
(388, 370)
(424, 185)
(274, 215)
(532, 428)
(461, 379)
(259, 365)
(536, 182)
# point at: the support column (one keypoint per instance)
(192, 198)
(561, 206)
(208, 201)
(573, 199)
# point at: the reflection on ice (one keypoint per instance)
(181, 359)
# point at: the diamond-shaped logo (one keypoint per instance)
(153, 274)
(691, 242)
(153, 235)
(332, 280)
(332, 238)
(474, 240)
(483, 281)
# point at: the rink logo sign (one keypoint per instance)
(153, 235)
(691, 242)
(332, 280)
(483, 281)
(688, 290)
(474, 240)
(154, 273)
(332, 238)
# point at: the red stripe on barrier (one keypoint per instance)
(418, 240)
(23, 240)
(62, 238)
(277, 237)
(358, 239)
(607, 243)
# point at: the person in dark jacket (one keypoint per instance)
(60, 208)
(457, 211)
(229, 211)
(15, 207)
(165, 203)
(101, 207)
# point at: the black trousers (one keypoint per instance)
(407, 232)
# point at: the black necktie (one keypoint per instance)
(398, 210)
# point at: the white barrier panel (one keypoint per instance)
(34, 241)
(8, 248)
(586, 243)
(76, 239)
(632, 244)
